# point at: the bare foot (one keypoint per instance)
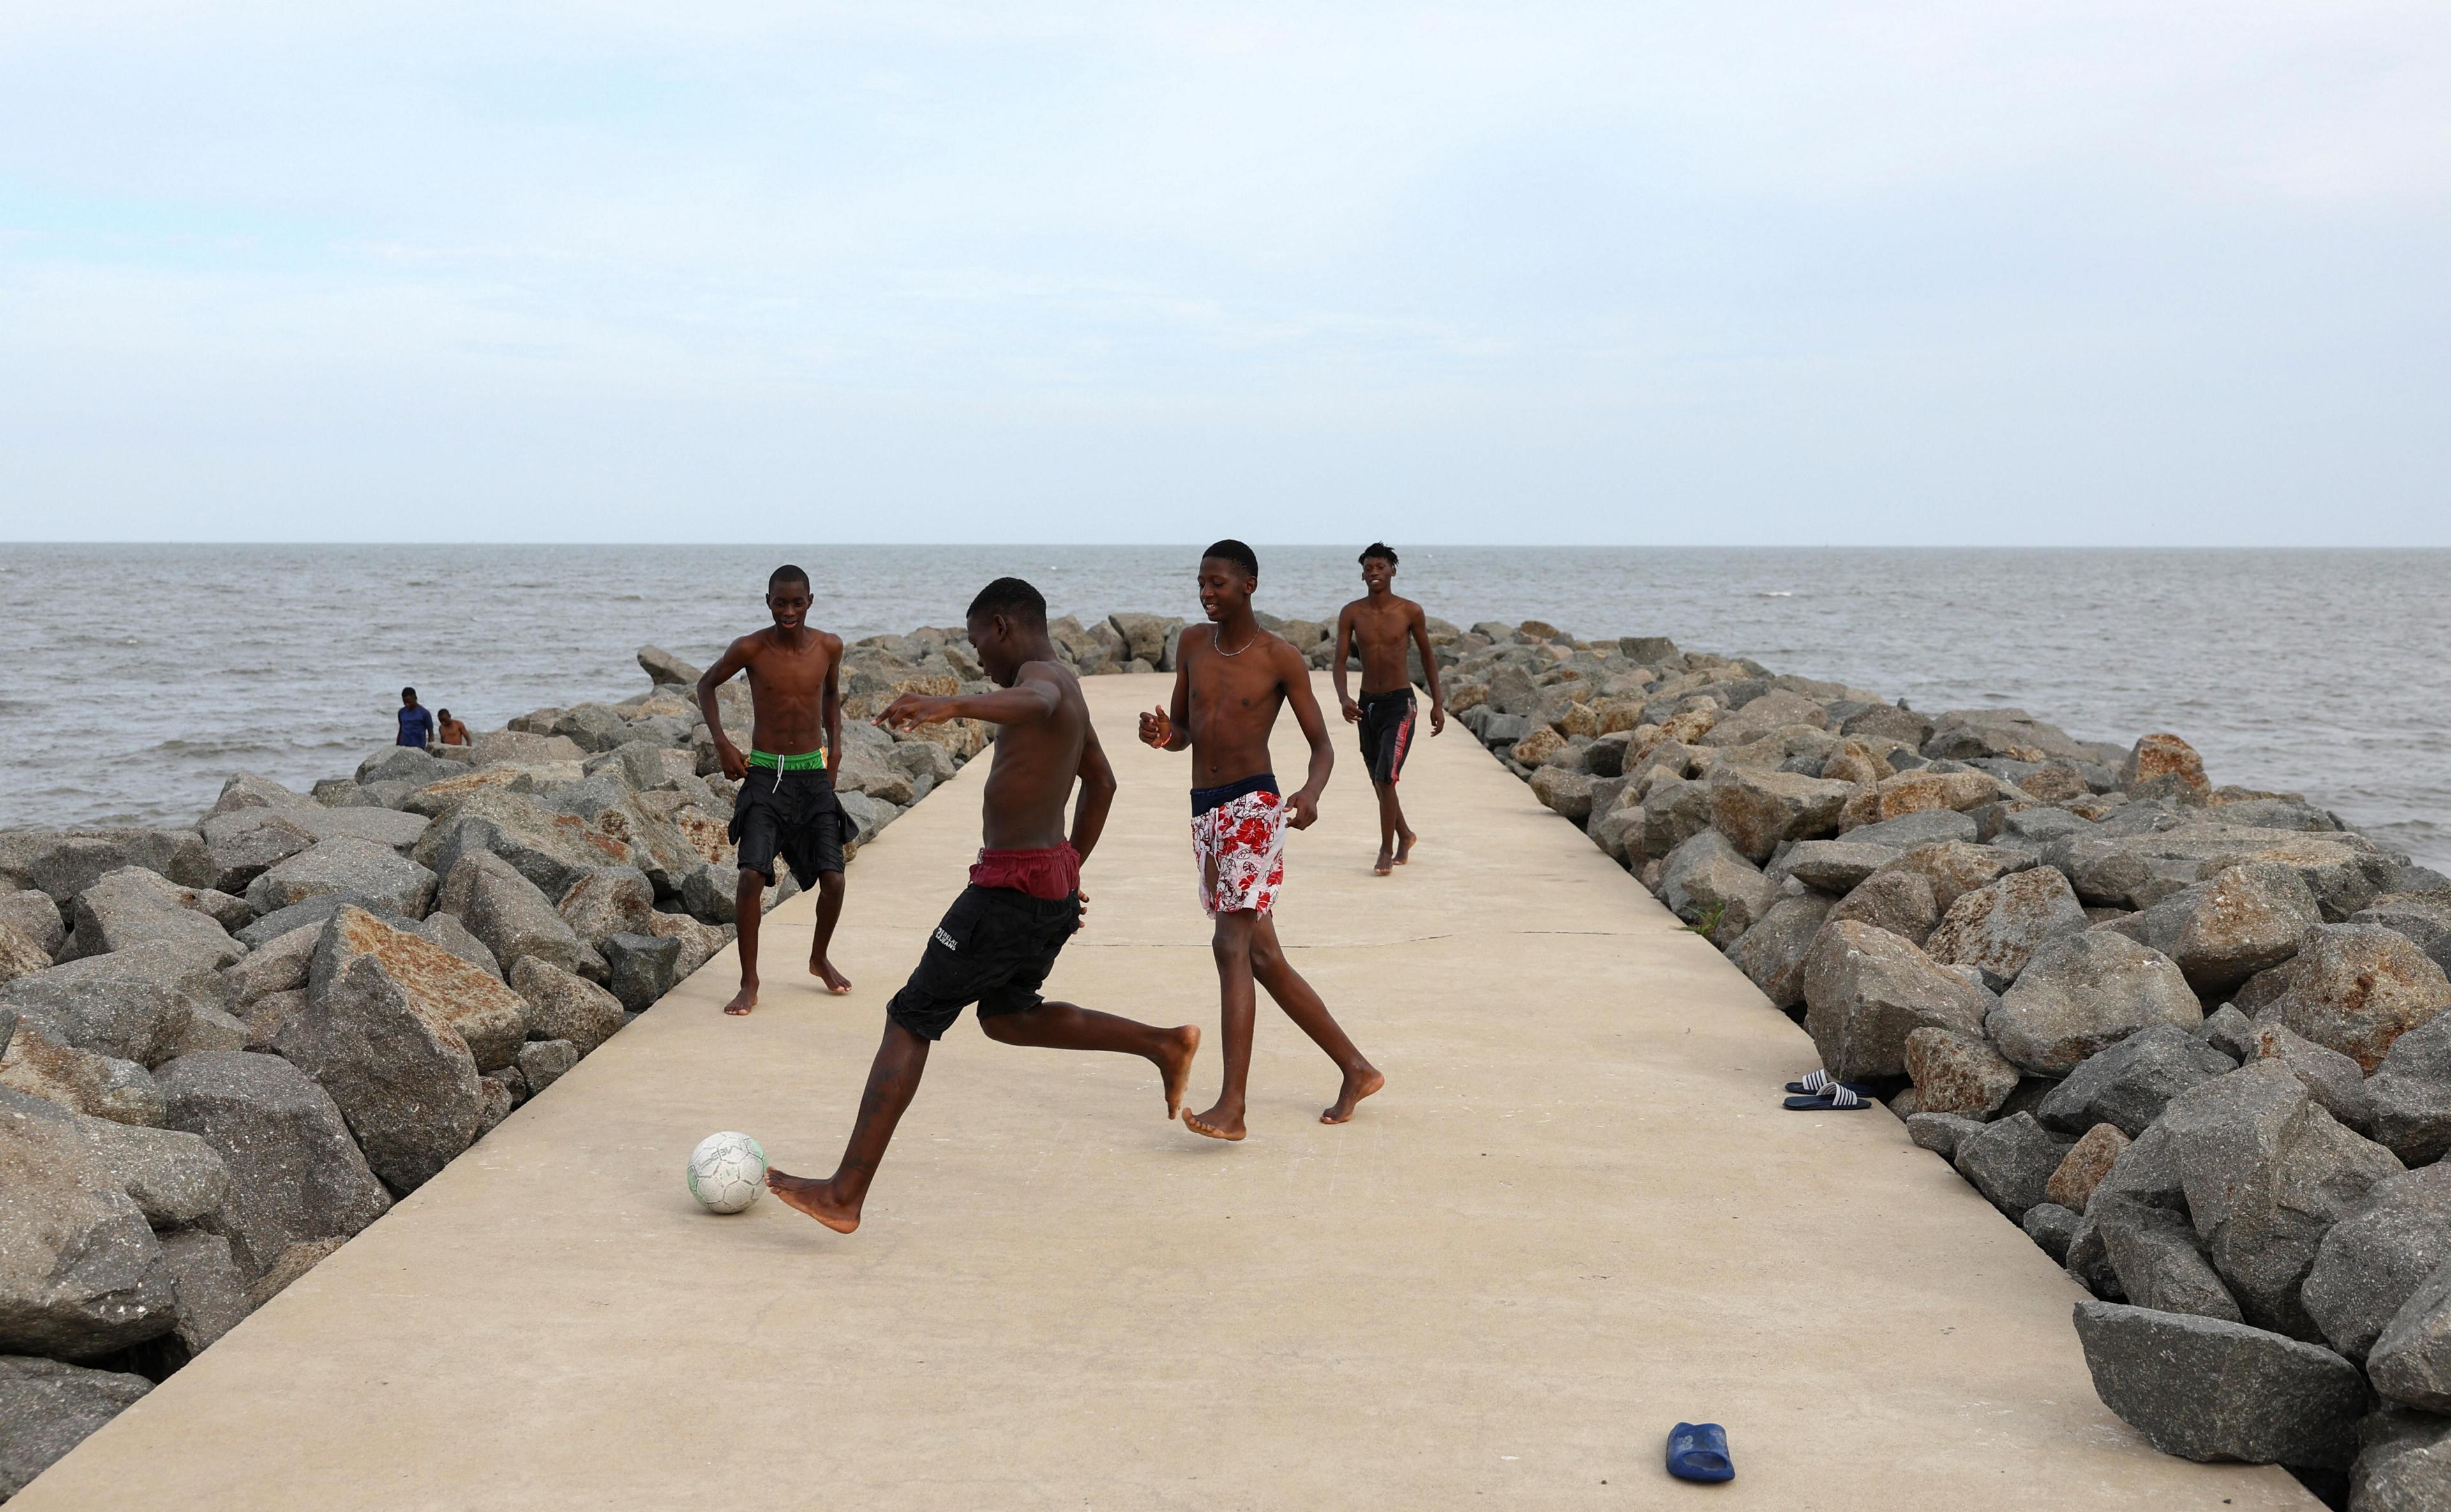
(835, 981)
(1215, 1124)
(1404, 850)
(744, 1000)
(1383, 865)
(1174, 1065)
(1359, 1083)
(815, 1198)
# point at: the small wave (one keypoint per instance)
(1770, 593)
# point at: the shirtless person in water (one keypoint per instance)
(1384, 627)
(1000, 938)
(786, 806)
(1230, 678)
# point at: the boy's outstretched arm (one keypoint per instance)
(1025, 701)
(1303, 807)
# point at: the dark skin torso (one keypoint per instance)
(1383, 628)
(1229, 704)
(1034, 765)
(794, 688)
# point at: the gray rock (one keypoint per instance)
(2246, 919)
(2330, 1077)
(640, 968)
(1833, 865)
(132, 906)
(376, 875)
(172, 1177)
(614, 901)
(34, 915)
(1772, 952)
(1941, 1133)
(2081, 994)
(564, 1007)
(1963, 735)
(513, 917)
(1954, 868)
(62, 863)
(2010, 1162)
(2358, 987)
(397, 1028)
(699, 942)
(1148, 637)
(403, 763)
(552, 849)
(447, 931)
(2410, 1093)
(666, 670)
(1866, 991)
(19, 954)
(2411, 1358)
(1899, 902)
(1760, 716)
(211, 1289)
(37, 1065)
(2374, 1260)
(711, 893)
(134, 1003)
(542, 1062)
(243, 845)
(49, 1408)
(2266, 1173)
(249, 791)
(1909, 831)
(2051, 1227)
(2403, 1462)
(1705, 875)
(2205, 1389)
(869, 814)
(2160, 1264)
(1997, 928)
(1758, 811)
(1956, 1073)
(1674, 812)
(2127, 1084)
(80, 1272)
(288, 1267)
(2424, 916)
(2229, 1032)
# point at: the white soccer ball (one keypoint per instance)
(727, 1171)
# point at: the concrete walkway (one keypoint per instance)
(1576, 1215)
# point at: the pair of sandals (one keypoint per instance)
(1820, 1092)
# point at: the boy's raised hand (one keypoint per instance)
(912, 710)
(1156, 729)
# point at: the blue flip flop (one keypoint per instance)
(1698, 1451)
(1840, 1098)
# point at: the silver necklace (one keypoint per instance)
(1219, 646)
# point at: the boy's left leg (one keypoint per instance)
(830, 902)
(1302, 1004)
(893, 1080)
(1062, 1026)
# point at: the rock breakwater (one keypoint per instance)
(228, 1048)
(2190, 1037)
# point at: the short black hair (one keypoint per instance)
(1235, 552)
(786, 573)
(1378, 548)
(443, 713)
(408, 693)
(1013, 598)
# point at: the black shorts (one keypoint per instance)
(798, 818)
(995, 949)
(1387, 732)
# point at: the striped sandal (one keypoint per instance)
(1839, 1097)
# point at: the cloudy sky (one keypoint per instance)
(2076, 272)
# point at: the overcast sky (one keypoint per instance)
(2076, 272)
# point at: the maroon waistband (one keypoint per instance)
(1052, 874)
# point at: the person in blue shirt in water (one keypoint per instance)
(416, 721)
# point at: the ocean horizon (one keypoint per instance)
(142, 675)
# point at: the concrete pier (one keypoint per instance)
(1576, 1214)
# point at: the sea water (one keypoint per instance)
(133, 679)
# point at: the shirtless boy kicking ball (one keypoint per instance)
(1229, 681)
(786, 806)
(1001, 936)
(1384, 627)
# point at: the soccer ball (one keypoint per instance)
(727, 1171)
